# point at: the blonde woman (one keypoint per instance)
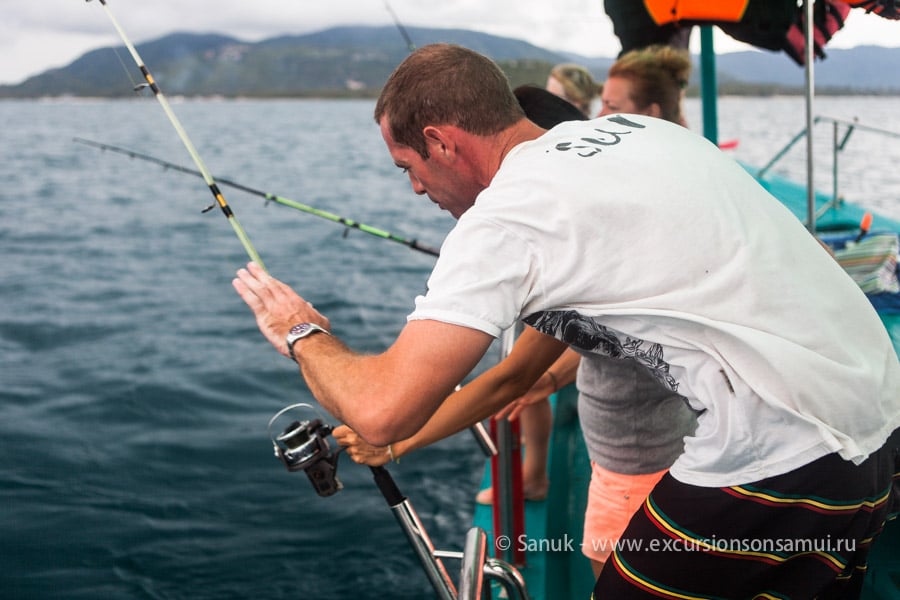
(575, 84)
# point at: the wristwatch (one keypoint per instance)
(300, 331)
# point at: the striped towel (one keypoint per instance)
(872, 263)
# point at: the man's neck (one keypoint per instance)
(496, 147)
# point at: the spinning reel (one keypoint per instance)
(303, 446)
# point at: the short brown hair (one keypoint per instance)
(446, 84)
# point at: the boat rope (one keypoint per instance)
(414, 244)
(213, 187)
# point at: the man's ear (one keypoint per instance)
(438, 141)
(655, 111)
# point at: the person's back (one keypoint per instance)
(621, 252)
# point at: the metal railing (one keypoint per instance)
(476, 568)
(841, 131)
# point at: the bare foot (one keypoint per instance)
(534, 493)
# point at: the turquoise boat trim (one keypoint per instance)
(845, 216)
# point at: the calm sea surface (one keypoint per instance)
(136, 389)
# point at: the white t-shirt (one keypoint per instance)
(631, 236)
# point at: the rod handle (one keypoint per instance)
(386, 485)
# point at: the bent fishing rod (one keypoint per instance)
(269, 197)
(182, 134)
(409, 43)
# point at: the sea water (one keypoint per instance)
(135, 389)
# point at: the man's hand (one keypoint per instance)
(277, 307)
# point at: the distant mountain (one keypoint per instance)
(101, 72)
(355, 61)
(861, 69)
(336, 61)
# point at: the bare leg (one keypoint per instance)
(536, 422)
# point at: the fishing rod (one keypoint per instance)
(414, 244)
(214, 188)
(409, 43)
(217, 194)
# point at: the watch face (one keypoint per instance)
(300, 329)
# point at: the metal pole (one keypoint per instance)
(509, 518)
(503, 481)
(708, 85)
(810, 90)
(471, 578)
(483, 438)
(415, 532)
(834, 165)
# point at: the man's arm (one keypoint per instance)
(384, 397)
(532, 353)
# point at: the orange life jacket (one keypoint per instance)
(671, 11)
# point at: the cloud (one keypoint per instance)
(41, 34)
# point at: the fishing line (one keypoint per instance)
(203, 172)
(414, 244)
(135, 86)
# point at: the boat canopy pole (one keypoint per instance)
(810, 119)
(414, 244)
(708, 85)
(151, 83)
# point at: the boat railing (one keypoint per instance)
(506, 474)
(478, 568)
(471, 577)
(303, 446)
(842, 129)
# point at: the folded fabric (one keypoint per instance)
(828, 18)
(872, 263)
(889, 9)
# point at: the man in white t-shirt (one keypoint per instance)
(630, 237)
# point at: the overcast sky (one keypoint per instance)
(39, 34)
